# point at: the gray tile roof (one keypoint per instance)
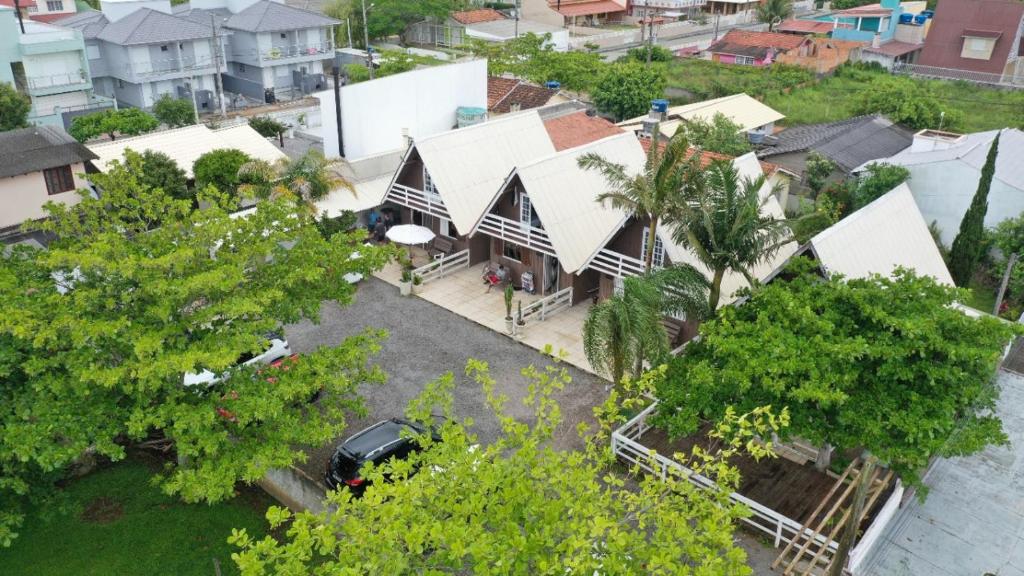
(266, 16)
(89, 22)
(202, 15)
(145, 26)
(849, 143)
(37, 148)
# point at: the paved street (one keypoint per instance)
(426, 341)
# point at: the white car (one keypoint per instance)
(278, 349)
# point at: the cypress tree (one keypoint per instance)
(966, 249)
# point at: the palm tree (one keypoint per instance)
(771, 12)
(649, 195)
(625, 330)
(726, 227)
(307, 178)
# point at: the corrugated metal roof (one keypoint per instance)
(748, 167)
(266, 16)
(469, 164)
(973, 151)
(886, 233)
(565, 197)
(743, 110)
(185, 145)
(370, 176)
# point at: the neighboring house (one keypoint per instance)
(891, 54)
(751, 48)
(849, 143)
(728, 7)
(38, 165)
(370, 177)
(976, 39)
(138, 51)
(445, 97)
(506, 95)
(588, 12)
(659, 9)
(821, 54)
(868, 22)
(48, 64)
(809, 27)
(484, 24)
(45, 10)
(945, 169)
(753, 117)
(274, 51)
(887, 233)
(186, 145)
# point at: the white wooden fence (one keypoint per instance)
(443, 267)
(548, 306)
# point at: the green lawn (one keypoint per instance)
(805, 100)
(121, 525)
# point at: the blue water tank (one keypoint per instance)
(927, 13)
(906, 18)
(469, 115)
(920, 19)
(552, 84)
(660, 105)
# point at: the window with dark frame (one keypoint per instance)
(59, 180)
(511, 251)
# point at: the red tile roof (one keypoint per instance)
(760, 40)
(504, 93)
(586, 8)
(706, 157)
(51, 17)
(797, 26)
(477, 16)
(894, 48)
(22, 4)
(954, 17)
(868, 10)
(577, 129)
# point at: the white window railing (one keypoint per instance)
(517, 233)
(417, 200)
(616, 265)
(548, 306)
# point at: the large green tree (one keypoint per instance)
(219, 168)
(136, 290)
(532, 57)
(906, 101)
(113, 123)
(152, 170)
(727, 227)
(306, 179)
(884, 364)
(626, 90)
(967, 247)
(517, 505)
(14, 108)
(174, 112)
(720, 134)
(879, 180)
(625, 330)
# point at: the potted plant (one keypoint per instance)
(405, 284)
(520, 323)
(508, 307)
(416, 280)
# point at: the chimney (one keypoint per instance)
(406, 138)
(928, 140)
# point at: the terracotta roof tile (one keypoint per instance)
(760, 40)
(504, 93)
(577, 129)
(954, 17)
(586, 7)
(706, 157)
(797, 26)
(477, 16)
(498, 88)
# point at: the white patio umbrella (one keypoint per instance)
(409, 234)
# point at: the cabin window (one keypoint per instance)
(58, 180)
(659, 248)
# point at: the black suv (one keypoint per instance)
(375, 444)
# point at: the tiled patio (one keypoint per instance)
(465, 294)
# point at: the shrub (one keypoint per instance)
(220, 169)
(174, 112)
(267, 126)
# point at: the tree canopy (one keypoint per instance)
(14, 108)
(905, 101)
(124, 122)
(880, 179)
(153, 170)
(219, 168)
(174, 112)
(517, 506)
(886, 364)
(139, 288)
(968, 246)
(720, 134)
(626, 90)
(532, 57)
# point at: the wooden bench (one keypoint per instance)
(441, 247)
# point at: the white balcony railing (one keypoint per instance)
(57, 80)
(615, 264)
(417, 200)
(518, 233)
(290, 51)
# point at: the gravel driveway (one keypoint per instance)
(426, 341)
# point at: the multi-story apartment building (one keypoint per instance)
(47, 63)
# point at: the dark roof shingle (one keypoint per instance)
(849, 143)
(37, 148)
(146, 26)
(266, 16)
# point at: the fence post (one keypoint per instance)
(778, 532)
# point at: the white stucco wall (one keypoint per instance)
(943, 192)
(374, 113)
(25, 195)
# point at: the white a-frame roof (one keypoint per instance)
(886, 233)
(469, 164)
(565, 197)
(747, 166)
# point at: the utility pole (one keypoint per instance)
(650, 36)
(517, 19)
(337, 102)
(216, 68)
(195, 106)
(17, 10)
(717, 16)
(1006, 280)
(366, 41)
(348, 25)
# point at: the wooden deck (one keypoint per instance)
(791, 489)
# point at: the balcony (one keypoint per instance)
(518, 233)
(417, 200)
(617, 265)
(46, 84)
(285, 54)
(164, 69)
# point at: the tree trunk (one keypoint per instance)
(652, 235)
(716, 290)
(850, 532)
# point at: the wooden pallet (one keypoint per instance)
(809, 553)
